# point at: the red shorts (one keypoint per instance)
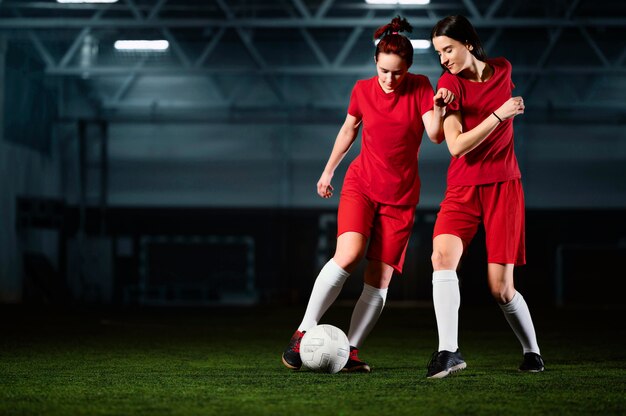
(388, 227)
(500, 206)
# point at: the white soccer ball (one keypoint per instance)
(325, 348)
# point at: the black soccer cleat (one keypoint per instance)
(443, 363)
(533, 363)
(354, 364)
(291, 355)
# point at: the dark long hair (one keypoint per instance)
(457, 27)
(392, 42)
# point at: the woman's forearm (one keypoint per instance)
(461, 143)
(434, 127)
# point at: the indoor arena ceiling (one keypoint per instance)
(262, 55)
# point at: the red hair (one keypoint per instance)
(391, 41)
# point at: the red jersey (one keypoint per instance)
(386, 169)
(494, 159)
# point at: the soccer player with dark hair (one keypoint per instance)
(484, 185)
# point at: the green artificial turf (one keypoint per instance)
(227, 362)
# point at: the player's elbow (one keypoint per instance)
(435, 136)
(347, 135)
(455, 151)
(456, 147)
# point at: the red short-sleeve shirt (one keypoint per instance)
(494, 159)
(386, 169)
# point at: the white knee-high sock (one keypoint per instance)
(518, 316)
(366, 312)
(327, 286)
(447, 299)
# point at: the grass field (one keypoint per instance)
(227, 362)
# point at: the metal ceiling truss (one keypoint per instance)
(220, 19)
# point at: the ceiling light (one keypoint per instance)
(141, 45)
(86, 1)
(416, 43)
(419, 2)
(420, 43)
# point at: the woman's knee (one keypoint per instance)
(443, 259)
(378, 274)
(350, 250)
(501, 283)
(447, 252)
(502, 293)
(348, 259)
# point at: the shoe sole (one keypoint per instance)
(532, 371)
(289, 366)
(360, 369)
(451, 370)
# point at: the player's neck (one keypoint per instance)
(479, 71)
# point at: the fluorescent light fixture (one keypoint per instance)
(420, 43)
(141, 45)
(407, 2)
(86, 1)
(416, 43)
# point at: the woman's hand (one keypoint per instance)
(443, 97)
(513, 107)
(324, 188)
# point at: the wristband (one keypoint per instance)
(499, 119)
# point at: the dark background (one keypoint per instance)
(187, 177)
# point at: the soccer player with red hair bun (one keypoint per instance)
(380, 189)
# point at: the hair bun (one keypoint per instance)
(397, 25)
